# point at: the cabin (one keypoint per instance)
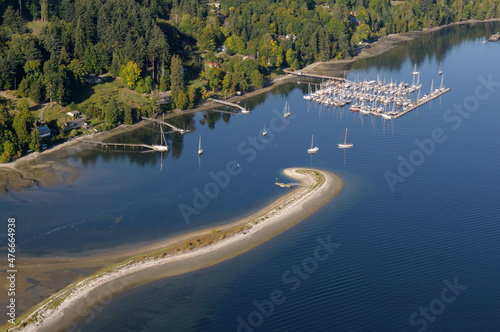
(73, 114)
(212, 64)
(93, 79)
(44, 131)
(214, 4)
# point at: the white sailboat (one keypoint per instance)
(286, 111)
(163, 143)
(264, 132)
(415, 72)
(200, 150)
(345, 145)
(312, 149)
(245, 110)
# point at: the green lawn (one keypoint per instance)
(36, 27)
(54, 112)
(100, 94)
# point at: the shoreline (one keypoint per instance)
(380, 46)
(63, 309)
(21, 175)
(95, 262)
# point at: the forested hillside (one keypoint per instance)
(193, 48)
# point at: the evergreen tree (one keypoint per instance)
(163, 83)
(112, 112)
(12, 21)
(23, 124)
(36, 90)
(176, 76)
(35, 142)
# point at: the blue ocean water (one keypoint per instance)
(418, 255)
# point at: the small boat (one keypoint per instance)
(415, 72)
(163, 142)
(440, 72)
(200, 150)
(286, 111)
(345, 145)
(312, 149)
(386, 116)
(354, 108)
(264, 132)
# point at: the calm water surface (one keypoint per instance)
(397, 250)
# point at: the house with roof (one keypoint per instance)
(212, 64)
(44, 131)
(73, 114)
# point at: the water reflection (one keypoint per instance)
(433, 45)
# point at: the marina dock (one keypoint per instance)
(378, 98)
(421, 103)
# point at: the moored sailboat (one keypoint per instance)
(312, 149)
(200, 150)
(163, 146)
(345, 145)
(286, 111)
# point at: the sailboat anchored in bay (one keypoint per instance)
(200, 150)
(312, 149)
(345, 145)
(163, 142)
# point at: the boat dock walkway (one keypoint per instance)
(120, 144)
(300, 73)
(418, 104)
(223, 102)
(182, 131)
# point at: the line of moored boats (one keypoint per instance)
(373, 97)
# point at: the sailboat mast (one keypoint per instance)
(345, 138)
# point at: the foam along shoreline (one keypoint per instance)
(62, 310)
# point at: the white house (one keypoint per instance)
(73, 114)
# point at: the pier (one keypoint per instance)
(120, 144)
(223, 102)
(182, 131)
(331, 78)
(421, 103)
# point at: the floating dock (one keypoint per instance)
(421, 103)
(495, 37)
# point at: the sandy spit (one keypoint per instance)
(79, 299)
